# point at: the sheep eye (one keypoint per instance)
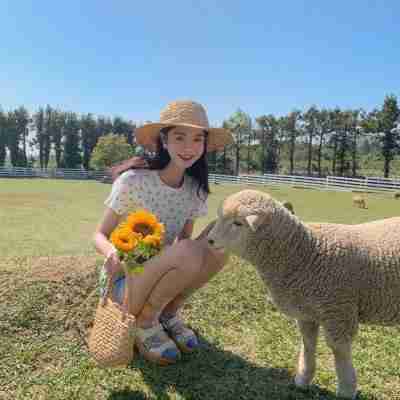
(237, 223)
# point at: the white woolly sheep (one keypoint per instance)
(329, 275)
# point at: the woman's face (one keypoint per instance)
(185, 145)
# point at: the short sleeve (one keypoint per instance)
(199, 209)
(123, 193)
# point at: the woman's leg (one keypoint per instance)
(213, 262)
(184, 337)
(164, 286)
(163, 279)
(168, 280)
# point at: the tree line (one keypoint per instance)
(69, 137)
(327, 141)
(321, 140)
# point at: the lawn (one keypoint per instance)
(47, 286)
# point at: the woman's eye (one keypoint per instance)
(237, 223)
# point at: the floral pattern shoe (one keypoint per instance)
(184, 337)
(155, 345)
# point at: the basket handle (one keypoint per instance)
(128, 289)
(125, 302)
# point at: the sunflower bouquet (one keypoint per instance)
(137, 239)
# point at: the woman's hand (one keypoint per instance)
(112, 265)
(138, 162)
(134, 162)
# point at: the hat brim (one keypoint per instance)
(147, 136)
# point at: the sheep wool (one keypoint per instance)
(359, 202)
(325, 275)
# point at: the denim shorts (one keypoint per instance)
(117, 287)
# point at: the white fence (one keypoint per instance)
(55, 173)
(371, 184)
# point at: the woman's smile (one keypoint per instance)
(185, 158)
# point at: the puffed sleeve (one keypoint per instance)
(200, 208)
(123, 193)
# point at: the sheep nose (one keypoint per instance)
(211, 241)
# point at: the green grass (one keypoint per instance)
(249, 348)
(55, 217)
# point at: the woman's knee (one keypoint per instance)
(191, 256)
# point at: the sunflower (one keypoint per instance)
(145, 223)
(124, 239)
(152, 240)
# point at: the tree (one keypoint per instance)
(110, 149)
(22, 120)
(323, 124)
(104, 126)
(343, 141)
(121, 127)
(16, 123)
(12, 138)
(240, 125)
(269, 129)
(58, 125)
(356, 132)
(46, 139)
(291, 128)
(72, 153)
(335, 121)
(388, 120)
(310, 125)
(384, 125)
(38, 140)
(223, 161)
(89, 134)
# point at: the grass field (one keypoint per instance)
(47, 281)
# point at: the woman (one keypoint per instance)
(175, 188)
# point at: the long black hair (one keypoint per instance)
(198, 171)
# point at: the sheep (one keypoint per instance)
(288, 204)
(360, 202)
(330, 275)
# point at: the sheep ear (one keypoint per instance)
(255, 221)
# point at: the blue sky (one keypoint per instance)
(130, 58)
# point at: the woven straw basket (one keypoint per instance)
(111, 341)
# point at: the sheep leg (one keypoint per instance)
(346, 374)
(306, 361)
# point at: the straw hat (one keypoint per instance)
(183, 113)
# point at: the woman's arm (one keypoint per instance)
(187, 230)
(103, 231)
(134, 162)
(110, 220)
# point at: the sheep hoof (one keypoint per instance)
(348, 394)
(346, 391)
(302, 380)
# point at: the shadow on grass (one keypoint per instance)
(127, 394)
(212, 373)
